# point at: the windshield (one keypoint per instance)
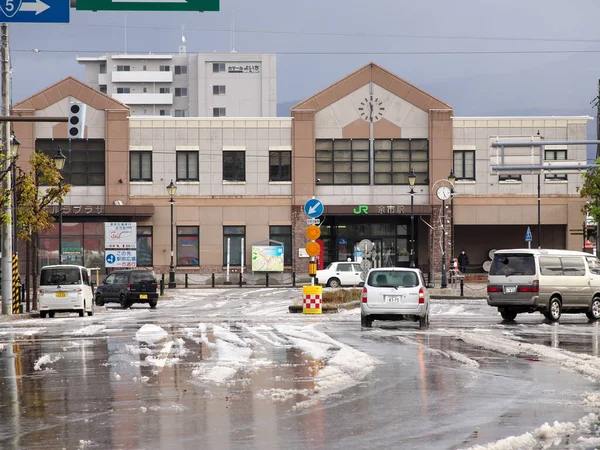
(513, 264)
(393, 278)
(60, 275)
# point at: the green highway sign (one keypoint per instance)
(147, 5)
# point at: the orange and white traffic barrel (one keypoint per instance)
(312, 302)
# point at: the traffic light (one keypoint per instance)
(76, 124)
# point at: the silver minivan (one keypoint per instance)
(549, 281)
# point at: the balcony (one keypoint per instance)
(142, 76)
(144, 99)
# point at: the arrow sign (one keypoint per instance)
(38, 7)
(37, 11)
(314, 208)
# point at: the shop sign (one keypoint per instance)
(248, 68)
(381, 209)
(78, 210)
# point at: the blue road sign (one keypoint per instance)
(111, 258)
(51, 11)
(528, 236)
(314, 208)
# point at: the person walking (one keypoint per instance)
(463, 261)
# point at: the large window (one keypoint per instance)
(123, 90)
(181, 92)
(395, 158)
(182, 113)
(555, 155)
(218, 67)
(164, 90)
(164, 68)
(123, 69)
(234, 166)
(219, 89)
(464, 164)
(187, 166)
(85, 161)
(188, 246)
(140, 166)
(219, 112)
(181, 70)
(144, 246)
(510, 178)
(342, 161)
(233, 234)
(283, 233)
(280, 166)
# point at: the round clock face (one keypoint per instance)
(443, 193)
(371, 109)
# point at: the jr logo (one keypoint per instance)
(361, 209)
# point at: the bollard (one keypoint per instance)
(462, 287)
(240, 283)
(186, 280)
(162, 285)
(267, 280)
(293, 279)
(212, 277)
(312, 302)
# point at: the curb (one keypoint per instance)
(327, 309)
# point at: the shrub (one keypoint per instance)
(339, 296)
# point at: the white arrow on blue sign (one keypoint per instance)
(528, 236)
(48, 11)
(314, 208)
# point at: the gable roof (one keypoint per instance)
(378, 75)
(69, 87)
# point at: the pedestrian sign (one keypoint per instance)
(528, 236)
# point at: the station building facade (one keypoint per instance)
(242, 181)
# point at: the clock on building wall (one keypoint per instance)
(371, 109)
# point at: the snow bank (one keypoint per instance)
(45, 360)
(150, 334)
(90, 330)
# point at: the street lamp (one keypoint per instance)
(14, 146)
(411, 182)
(172, 190)
(452, 179)
(59, 161)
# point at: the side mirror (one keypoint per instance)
(430, 285)
(93, 282)
(361, 284)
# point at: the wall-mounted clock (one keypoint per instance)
(444, 193)
(371, 109)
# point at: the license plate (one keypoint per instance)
(393, 298)
(510, 289)
(143, 296)
(60, 294)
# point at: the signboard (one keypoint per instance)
(120, 258)
(528, 236)
(314, 208)
(267, 258)
(313, 221)
(147, 5)
(50, 11)
(120, 235)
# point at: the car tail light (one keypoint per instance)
(41, 292)
(534, 287)
(421, 295)
(494, 288)
(79, 290)
(364, 295)
(128, 286)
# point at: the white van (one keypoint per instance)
(549, 281)
(65, 288)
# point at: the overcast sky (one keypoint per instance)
(484, 57)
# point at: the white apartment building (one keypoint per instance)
(188, 85)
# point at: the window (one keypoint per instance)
(593, 264)
(280, 166)
(123, 68)
(140, 166)
(234, 166)
(342, 161)
(550, 265)
(395, 158)
(181, 92)
(144, 68)
(464, 164)
(144, 90)
(509, 178)
(187, 166)
(218, 90)
(122, 90)
(555, 155)
(218, 112)
(181, 70)
(164, 112)
(573, 266)
(164, 68)
(144, 246)
(513, 263)
(283, 233)
(103, 88)
(85, 164)
(164, 90)
(103, 68)
(235, 235)
(182, 113)
(218, 67)
(188, 246)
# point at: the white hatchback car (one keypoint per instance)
(65, 288)
(395, 293)
(338, 274)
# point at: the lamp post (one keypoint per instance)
(452, 179)
(172, 190)
(14, 145)
(59, 161)
(411, 182)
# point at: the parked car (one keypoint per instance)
(338, 274)
(127, 287)
(395, 293)
(65, 288)
(549, 281)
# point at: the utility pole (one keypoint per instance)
(596, 103)
(6, 265)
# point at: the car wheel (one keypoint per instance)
(99, 300)
(334, 283)
(153, 304)
(554, 309)
(90, 312)
(51, 314)
(366, 322)
(594, 312)
(81, 313)
(507, 314)
(123, 301)
(424, 321)
(42, 314)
